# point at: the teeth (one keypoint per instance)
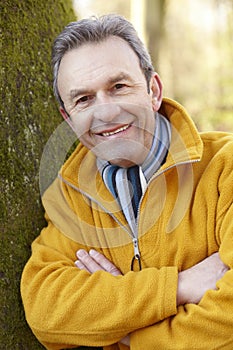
(116, 131)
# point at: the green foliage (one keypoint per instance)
(28, 116)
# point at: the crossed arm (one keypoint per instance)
(192, 283)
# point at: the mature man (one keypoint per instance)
(138, 251)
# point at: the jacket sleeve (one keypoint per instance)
(209, 324)
(68, 307)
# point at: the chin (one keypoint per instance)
(121, 152)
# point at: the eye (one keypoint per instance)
(82, 99)
(119, 86)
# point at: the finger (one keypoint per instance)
(87, 261)
(125, 340)
(80, 265)
(104, 262)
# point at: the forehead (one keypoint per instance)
(94, 60)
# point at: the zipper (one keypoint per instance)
(135, 247)
(137, 255)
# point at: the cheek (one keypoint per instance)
(86, 140)
(81, 124)
(146, 120)
(84, 135)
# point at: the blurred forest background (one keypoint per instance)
(191, 43)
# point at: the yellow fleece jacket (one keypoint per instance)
(186, 214)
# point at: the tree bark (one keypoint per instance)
(28, 116)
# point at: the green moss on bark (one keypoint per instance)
(28, 116)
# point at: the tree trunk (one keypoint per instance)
(28, 116)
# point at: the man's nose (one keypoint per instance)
(106, 111)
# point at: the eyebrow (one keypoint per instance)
(119, 77)
(77, 92)
(112, 80)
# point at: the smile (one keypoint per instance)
(109, 133)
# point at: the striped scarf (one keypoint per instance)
(128, 184)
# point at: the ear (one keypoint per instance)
(64, 114)
(156, 88)
(67, 118)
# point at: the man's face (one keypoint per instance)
(106, 96)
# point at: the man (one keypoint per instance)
(138, 251)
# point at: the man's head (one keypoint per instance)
(104, 80)
(95, 30)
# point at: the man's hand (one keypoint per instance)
(94, 261)
(192, 283)
(195, 281)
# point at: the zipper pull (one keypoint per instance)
(136, 255)
(136, 248)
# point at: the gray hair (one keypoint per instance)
(95, 30)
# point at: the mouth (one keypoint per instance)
(114, 132)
